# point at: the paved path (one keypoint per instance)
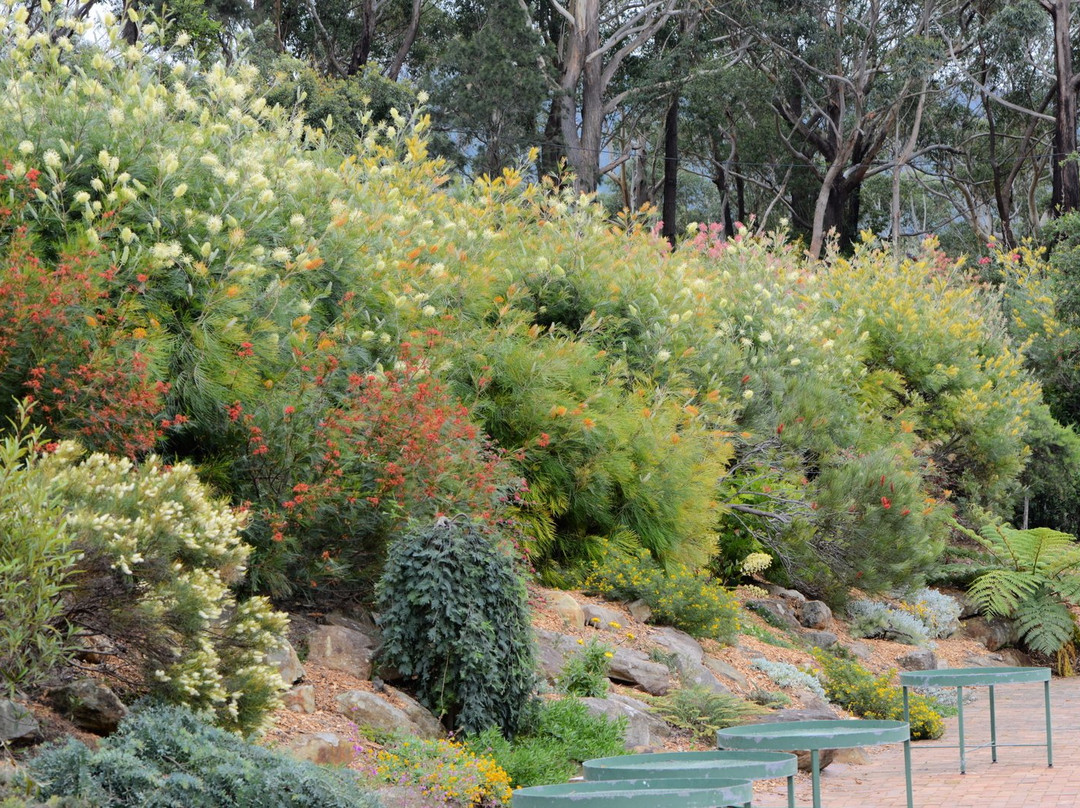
(1020, 778)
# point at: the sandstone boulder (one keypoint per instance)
(644, 730)
(324, 748)
(89, 705)
(564, 605)
(341, 649)
(287, 662)
(635, 668)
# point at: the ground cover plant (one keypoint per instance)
(551, 747)
(585, 674)
(700, 712)
(164, 756)
(445, 770)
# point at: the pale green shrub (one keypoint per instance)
(167, 756)
(880, 621)
(940, 613)
(787, 675)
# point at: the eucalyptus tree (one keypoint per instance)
(588, 42)
(1000, 113)
(847, 80)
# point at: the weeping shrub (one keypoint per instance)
(455, 622)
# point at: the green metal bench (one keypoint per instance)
(716, 763)
(646, 792)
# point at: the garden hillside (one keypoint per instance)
(348, 343)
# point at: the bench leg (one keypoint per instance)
(1049, 737)
(993, 728)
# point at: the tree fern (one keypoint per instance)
(1038, 577)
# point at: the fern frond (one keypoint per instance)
(1044, 623)
(1064, 563)
(1066, 588)
(997, 539)
(1048, 546)
(1000, 592)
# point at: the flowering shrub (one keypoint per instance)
(854, 688)
(337, 471)
(67, 343)
(678, 597)
(447, 771)
(158, 554)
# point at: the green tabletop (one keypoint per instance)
(838, 734)
(817, 735)
(725, 763)
(660, 792)
(970, 677)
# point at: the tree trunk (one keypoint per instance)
(131, 28)
(1066, 176)
(362, 49)
(671, 170)
(552, 148)
(406, 44)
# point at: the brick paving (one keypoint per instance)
(1020, 778)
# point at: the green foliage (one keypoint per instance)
(451, 585)
(158, 554)
(166, 756)
(678, 597)
(1037, 578)
(752, 629)
(585, 674)
(445, 770)
(1039, 297)
(354, 105)
(701, 712)
(551, 750)
(37, 560)
(773, 700)
(854, 688)
(486, 89)
(604, 456)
